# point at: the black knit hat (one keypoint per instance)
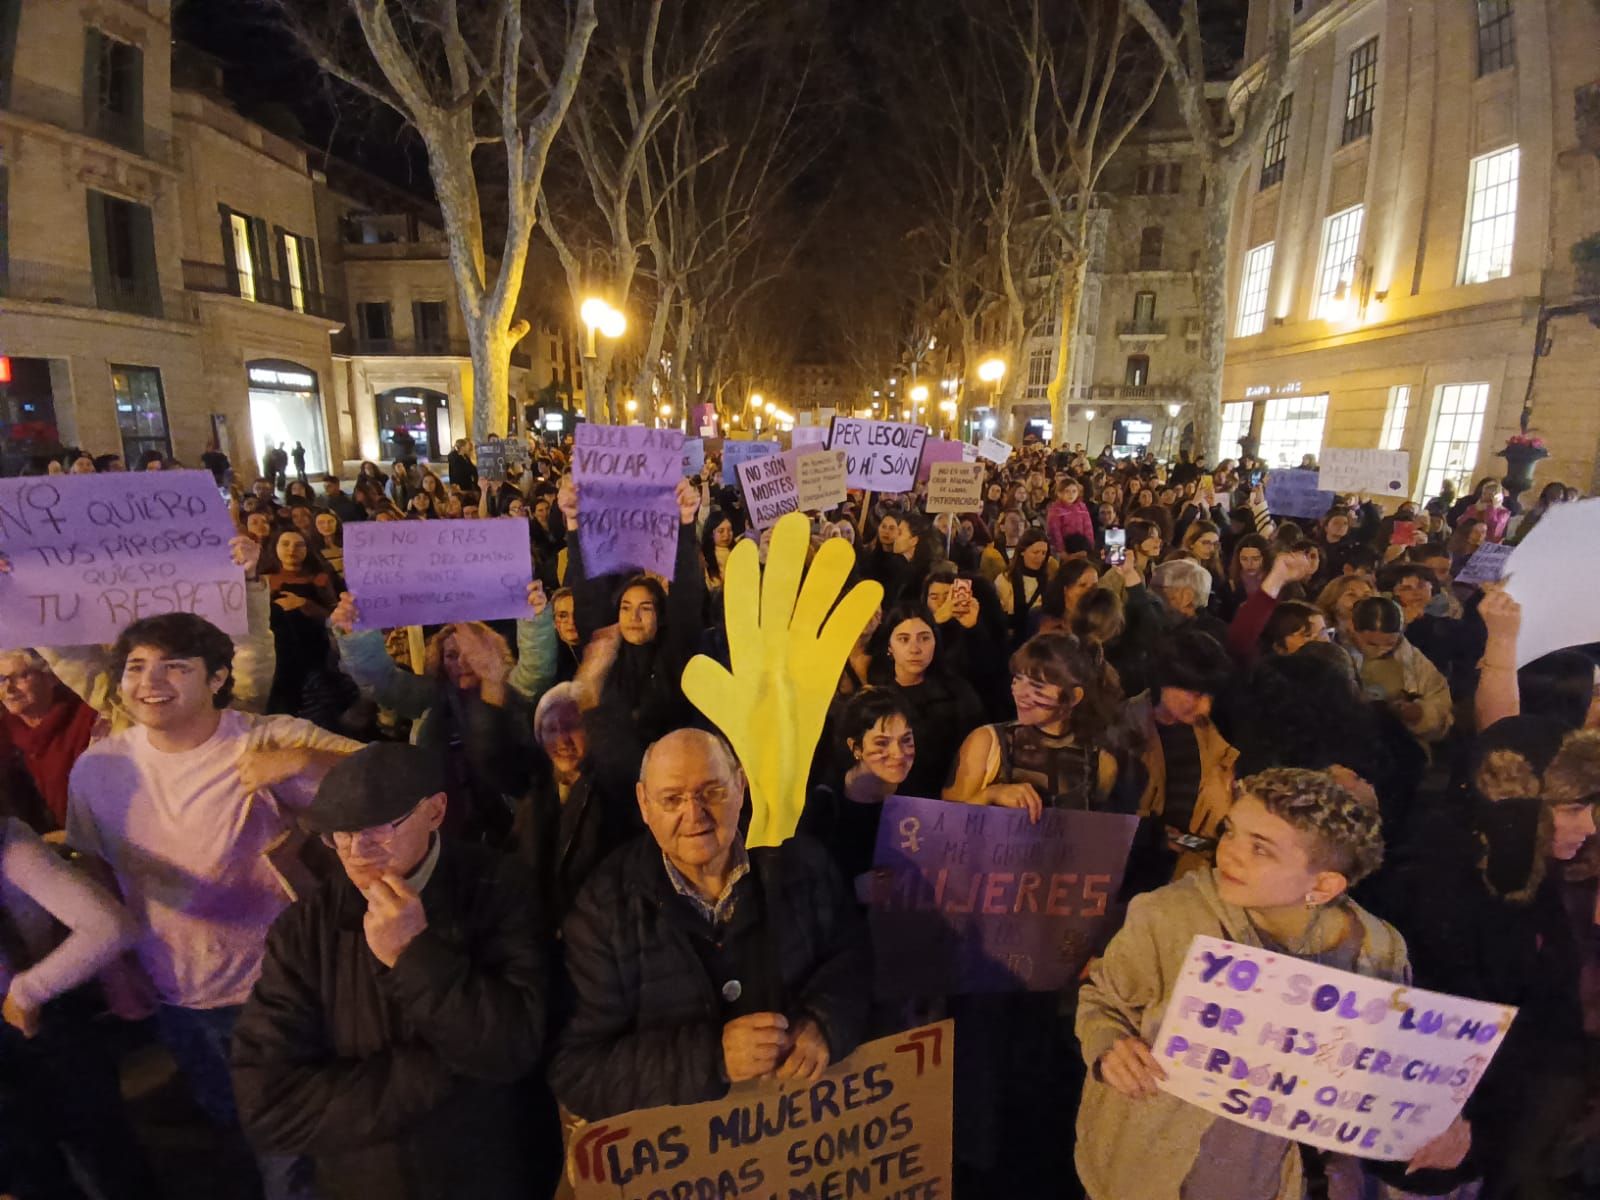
(376, 785)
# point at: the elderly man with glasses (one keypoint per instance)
(696, 963)
(401, 1006)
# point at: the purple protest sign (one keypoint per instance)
(978, 899)
(627, 479)
(937, 450)
(92, 553)
(430, 572)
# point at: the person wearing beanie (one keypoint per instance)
(402, 1005)
(1496, 908)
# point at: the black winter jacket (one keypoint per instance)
(403, 1082)
(647, 1026)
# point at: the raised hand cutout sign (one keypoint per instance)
(786, 652)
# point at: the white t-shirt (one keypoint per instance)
(188, 848)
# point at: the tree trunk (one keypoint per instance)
(1077, 272)
(1205, 386)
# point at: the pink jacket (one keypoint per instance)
(1065, 519)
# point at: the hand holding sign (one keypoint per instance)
(786, 661)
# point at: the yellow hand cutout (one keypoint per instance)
(786, 665)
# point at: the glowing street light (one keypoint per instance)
(992, 370)
(919, 394)
(631, 406)
(756, 400)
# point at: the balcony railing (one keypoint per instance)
(76, 287)
(219, 279)
(1136, 392)
(1143, 327)
(67, 110)
(354, 343)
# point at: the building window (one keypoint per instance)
(1253, 290)
(1360, 92)
(1041, 367)
(1277, 152)
(429, 324)
(122, 254)
(1158, 179)
(1137, 373)
(1497, 39)
(297, 282)
(1393, 436)
(1144, 308)
(141, 412)
(1150, 239)
(10, 16)
(1491, 216)
(1457, 427)
(1235, 425)
(1291, 428)
(244, 260)
(113, 90)
(1341, 234)
(374, 324)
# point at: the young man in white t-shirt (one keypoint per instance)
(191, 813)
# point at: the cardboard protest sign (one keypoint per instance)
(808, 437)
(694, 455)
(1487, 564)
(880, 456)
(92, 553)
(627, 478)
(978, 899)
(491, 463)
(937, 450)
(735, 452)
(969, 452)
(877, 1124)
(955, 487)
(1556, 584)
(430, 572)
(1377, 472)
(1295, 494)
(769, 488)
(994, 450)
(1336, 1060)
(820, 477)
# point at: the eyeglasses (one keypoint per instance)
(381, 835)
(712, 795)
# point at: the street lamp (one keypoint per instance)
(755, 400)
(632, 406)
(1088, 424)
(991, 371)
(598, 317)
(919, 394)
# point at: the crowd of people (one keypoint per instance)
(401, 904)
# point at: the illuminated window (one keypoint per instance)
(297, 278)
(1291, 428)
(1041, 366)
(1360, 92)
(1457, 429)
(244, 261)
(1491, 216)
(1341, 234)
(1393, 436)
(1235, 425)
(1277, 152)
(1253, 290)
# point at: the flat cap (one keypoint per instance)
(374, 786)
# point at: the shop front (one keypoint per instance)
(286, 410)
(413, 423)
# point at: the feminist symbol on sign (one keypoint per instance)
(908, 830)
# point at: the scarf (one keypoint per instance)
(51, 747)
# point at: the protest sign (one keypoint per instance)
(1487, 564)
(694, 455)
(769, 488)
(627, 477)
(1377, 472)
(1555, 580)
(1295, 494)
(969, 452)
(430, 572)
(1336, 1060)
(492, 461)
(820, 477)
(808, 437)
(937, 450)
(92, 553)
(955, 487)
(979, 899)
(878, 1123)
(516, 452)
(734, 453)
(994, 450)
(880, 456)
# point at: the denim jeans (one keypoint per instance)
(198, 1040)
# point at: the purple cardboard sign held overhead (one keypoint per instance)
(627, 479)
(431, 572)
(93, 553)
(979, 899)
(937, 450)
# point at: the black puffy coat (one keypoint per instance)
(406, 1083)
(647, 1023)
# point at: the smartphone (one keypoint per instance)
(1193, 841)
(1404, 533)
(961, 593)
(1116, 546)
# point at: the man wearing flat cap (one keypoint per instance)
(401, 1006)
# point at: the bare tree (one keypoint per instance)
(1227, 144)
(468, 79)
